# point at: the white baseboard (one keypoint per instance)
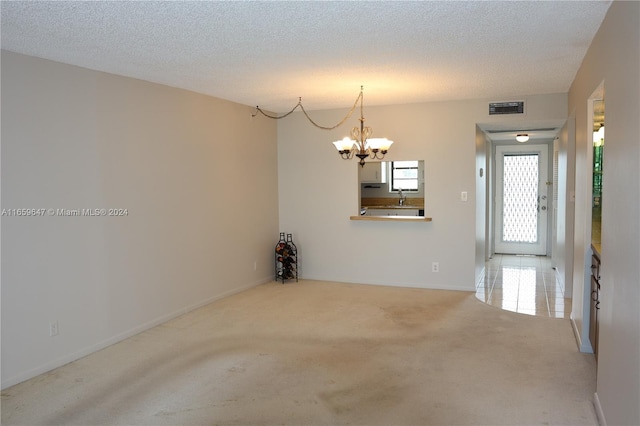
(454, 287)
(560, 279)
(481, 276)
(599, 412)
(121, 336)
(584, 347)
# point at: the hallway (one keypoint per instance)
(524, 284)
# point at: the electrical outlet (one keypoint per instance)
(53, 328)
(255, 265)
(435, 267)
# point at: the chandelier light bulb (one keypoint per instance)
(344, 144)
(381, 144)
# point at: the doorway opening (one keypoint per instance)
(595, 155)
(514, 214)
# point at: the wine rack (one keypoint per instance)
(286, 259)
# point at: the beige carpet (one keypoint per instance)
(319, 353)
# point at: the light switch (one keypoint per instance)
(463, 196)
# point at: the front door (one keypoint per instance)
(521, 199)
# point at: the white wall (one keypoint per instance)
(197, 175)
(563, 244)
(318, 193)
(613, 58)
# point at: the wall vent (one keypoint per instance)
(514, 107)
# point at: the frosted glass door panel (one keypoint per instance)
(521, 199)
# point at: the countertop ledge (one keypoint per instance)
(392, 218)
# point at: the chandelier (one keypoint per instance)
(360, 144)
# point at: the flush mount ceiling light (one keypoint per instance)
(360, 144)
(522, 137)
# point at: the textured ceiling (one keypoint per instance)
(271, 53)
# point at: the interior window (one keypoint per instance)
(404, 175)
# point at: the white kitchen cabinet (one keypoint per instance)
(373, 172)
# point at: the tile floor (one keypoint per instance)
(523, 284)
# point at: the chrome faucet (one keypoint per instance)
(402, 198)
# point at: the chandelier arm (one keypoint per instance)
(347, 155)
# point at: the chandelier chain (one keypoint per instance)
(299, 104)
